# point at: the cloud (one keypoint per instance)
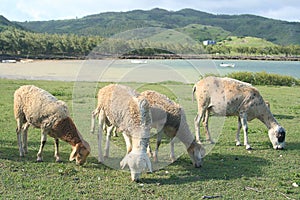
(21, 10)
(285, 12)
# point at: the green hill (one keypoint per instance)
(197, 24)
(202, 32)
(5, 23)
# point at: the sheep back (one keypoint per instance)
(227, 96)
(161, 103)
(124, 108)
(38, 107)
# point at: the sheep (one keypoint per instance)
(230, 97)
(168, 117)
(122, 107)
(36, 107)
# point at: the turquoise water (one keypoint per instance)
(187, 71)
(291, 68)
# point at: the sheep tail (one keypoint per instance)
(194, 90)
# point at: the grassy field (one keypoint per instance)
(236, 42)
(229, 172)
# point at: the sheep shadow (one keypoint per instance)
(216, 167)
(292, 146)
(10, 151)
(283, 116)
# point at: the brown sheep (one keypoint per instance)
(38, 108)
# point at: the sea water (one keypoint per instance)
(188, 71)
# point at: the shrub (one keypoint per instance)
(264, 78)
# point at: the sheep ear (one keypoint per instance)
(73, 153)
(123, 163)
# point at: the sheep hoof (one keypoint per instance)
(39, 160)
(58, 160)
(173, 159)
(238, 144)
(248, 148)
(135, 180)
(22, 153)
(199, 141)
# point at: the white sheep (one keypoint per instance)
(230, 97)
(38, 108)
(125, 109)
(168, 117)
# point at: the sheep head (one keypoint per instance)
(277, 137)
(137, 162)
(80, 152)
(196, 152)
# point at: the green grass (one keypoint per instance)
(235, 41)
(201, 32)
(228, 171)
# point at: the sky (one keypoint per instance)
(40, 10)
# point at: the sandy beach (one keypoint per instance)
(96, 70)
(65, 70)
(124, 70)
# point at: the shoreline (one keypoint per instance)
(213, 57)
(154, 57)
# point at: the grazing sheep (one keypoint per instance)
(38, 108)
(122, 107)
(169, 118)
(230, 97)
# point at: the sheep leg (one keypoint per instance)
(43, 142)
(100, 133)
(197, 126)
(237, 137)
(115, 131)
(205, 125)
(158, 142)
(19, 136)
(172, 154)
(25, 133)
(201, 114)
(107, 143)
(128, 142)
(245, 129)
(56, 153)
(149, 151)
(94, 114)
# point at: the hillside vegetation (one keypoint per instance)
(110, 23)
(151, 33)
(5, 23)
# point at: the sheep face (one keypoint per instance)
(277, 137)
(137, 162)
(80, 153)
(196, 152)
